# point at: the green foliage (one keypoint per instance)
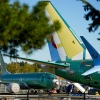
(20, 27)
(92, 14)
(13, 67)
(22, 67)
(36, 69)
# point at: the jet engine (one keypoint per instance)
(13, 87)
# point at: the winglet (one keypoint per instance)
(95, 56)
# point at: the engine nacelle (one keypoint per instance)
(13, 87)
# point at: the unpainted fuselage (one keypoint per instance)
(76, 68)
(31, 80)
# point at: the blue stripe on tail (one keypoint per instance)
(53, 52)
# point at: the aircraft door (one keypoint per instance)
(86, 68)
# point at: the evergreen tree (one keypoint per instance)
(21, 27)
(92, 14)
(15, 67)
(36, 68)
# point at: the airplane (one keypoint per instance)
(81, 71)
(36, 80)
(71, 48)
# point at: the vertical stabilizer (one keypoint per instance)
(2, 65)
(95, 56)
(53, 52)
(68, 45)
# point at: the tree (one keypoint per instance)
(92, 14)
(14, 67)
(22, 67)
(36, 68)
(21, 27)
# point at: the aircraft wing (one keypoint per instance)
(49, 64)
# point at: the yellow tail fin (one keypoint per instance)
(64, 38)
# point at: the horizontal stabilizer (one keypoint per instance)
(92, 70)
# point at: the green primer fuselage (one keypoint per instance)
(72, 70)
(32, 80)
(77, 67)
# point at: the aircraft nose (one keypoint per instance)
(55, 82)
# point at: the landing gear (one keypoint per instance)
(31, 91)
(28, 94)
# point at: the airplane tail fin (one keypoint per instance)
(95, 56)
(2, 65)
(68, 44)
(53, 52)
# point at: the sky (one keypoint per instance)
(73, 13)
